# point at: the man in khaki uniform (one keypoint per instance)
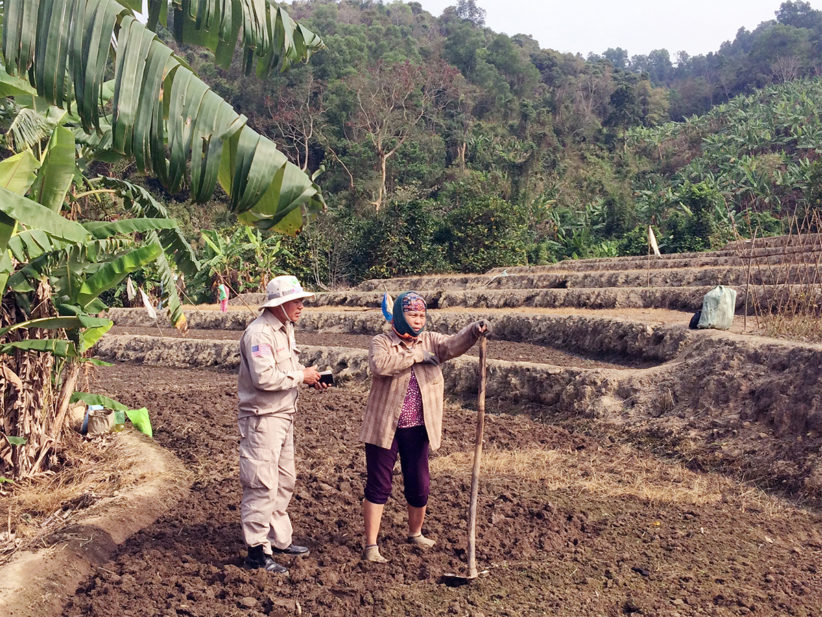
(268, 384)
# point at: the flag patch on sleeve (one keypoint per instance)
(258, 351)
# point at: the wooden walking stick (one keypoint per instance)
(455, 579)
(472, 508)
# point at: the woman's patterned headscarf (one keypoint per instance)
(406, 301)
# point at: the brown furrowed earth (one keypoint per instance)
(569, 524)
(626, 463)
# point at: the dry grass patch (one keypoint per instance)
(34, 508)
(791, 306)
(619, 471)
(800, 327)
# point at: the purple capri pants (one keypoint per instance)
(412, 446)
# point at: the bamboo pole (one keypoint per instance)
(747, 282)
(472, 508)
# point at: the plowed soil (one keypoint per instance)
(568, 526)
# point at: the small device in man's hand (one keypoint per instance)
(327, 377)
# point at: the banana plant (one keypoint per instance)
(104, 85)
(176, 254)
(265, 252)
(54, 271)
(245, 258)
(48, 181)
(217, 255)
(79, 260)
(161, 114)
(271, 39)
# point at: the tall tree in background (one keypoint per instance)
(799, 15)
(618, 57)
(468, 9)
(296, 114)
(392, 100)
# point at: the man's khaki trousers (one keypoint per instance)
(267, 475)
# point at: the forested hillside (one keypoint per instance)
(777, 51)
(445, 146)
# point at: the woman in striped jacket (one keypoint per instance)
(403, 415)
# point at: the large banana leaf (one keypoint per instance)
(56, 174)
(44, 237)
(162, 114)
(98, 399)
(32, 243)
(173, 301)
(269, 33)
(116, 270)
(157, 13)
(85, 329)
(5, 266)
(140, 202)
(26, 97)
(33, 215)
(106, 229)
(134, 5)
(89, 335)
(79, 272)
(11, 85)
(55, 323)
(58, 347)
(17, 173)
(66, 263)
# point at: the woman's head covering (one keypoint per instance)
(406, 301)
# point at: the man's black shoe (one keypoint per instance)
(294, 549)
(257, 559)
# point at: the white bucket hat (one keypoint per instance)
(282, 289)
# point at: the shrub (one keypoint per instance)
(694, 226)
(398, 240)
(482, 233)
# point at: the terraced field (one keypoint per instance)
(633, 466)
(595, 339)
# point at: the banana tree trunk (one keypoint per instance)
(31, 408)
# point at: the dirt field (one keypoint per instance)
(568, 525)
(623, 469)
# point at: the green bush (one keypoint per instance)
(763, 223)
(398, 240)
(694, 226)
(482, 233)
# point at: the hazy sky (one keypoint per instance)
(638, 26)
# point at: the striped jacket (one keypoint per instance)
(390, 360)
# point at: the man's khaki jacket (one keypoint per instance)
(270, 371)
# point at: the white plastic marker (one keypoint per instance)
(147, 303)
(652, 241)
